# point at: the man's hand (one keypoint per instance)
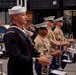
(71, 40)
(44, 60)
(65, 43)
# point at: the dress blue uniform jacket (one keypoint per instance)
(20, 52)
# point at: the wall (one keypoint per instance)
(29, 15)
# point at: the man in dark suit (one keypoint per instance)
(19, 46)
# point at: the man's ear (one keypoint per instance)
(15, 17)
(39, 30)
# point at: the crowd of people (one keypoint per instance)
(37, 44)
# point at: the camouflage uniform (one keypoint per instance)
(51, 38)
(58, 34)
(41, 44)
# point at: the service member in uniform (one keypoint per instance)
(19, 47)
(60, 36)
(58, 32)
(50, 34)
(42, 44)
(50, 24)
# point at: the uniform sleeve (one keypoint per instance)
(13, 48)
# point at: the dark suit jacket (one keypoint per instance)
(20, 52)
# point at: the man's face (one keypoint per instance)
(60, 24)
(43, 31)
(21, 18)
(51, 24)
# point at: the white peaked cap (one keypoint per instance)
(16, 10)
(44, 24)
(58, 19)
(49, 18)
